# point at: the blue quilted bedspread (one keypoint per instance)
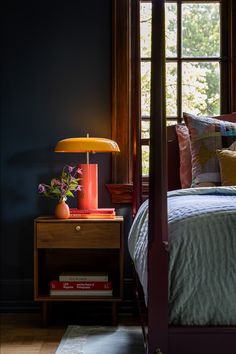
(202, 262)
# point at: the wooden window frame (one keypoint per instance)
(122, 165)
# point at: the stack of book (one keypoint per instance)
(99, 213)
(81, 284)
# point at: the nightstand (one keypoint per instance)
(83, 245)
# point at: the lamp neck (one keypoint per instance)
(87, 153)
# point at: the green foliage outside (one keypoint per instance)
(200, 79)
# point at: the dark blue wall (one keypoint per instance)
(56, 83)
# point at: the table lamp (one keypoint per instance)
(88, 196)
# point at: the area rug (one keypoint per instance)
(101, 340)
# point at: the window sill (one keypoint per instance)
(122, 193)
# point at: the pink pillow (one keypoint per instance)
(230, 117)
(185, 169)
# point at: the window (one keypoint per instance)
(194, 57)
(121, 189)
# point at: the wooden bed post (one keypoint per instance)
(157, 254)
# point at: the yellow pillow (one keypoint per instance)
(233, 146)
(227, 160)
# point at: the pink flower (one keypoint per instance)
(41, 188)
(55, 182)
(70, 168)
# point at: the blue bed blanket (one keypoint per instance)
(202, 255)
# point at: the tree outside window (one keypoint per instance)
(193, 63)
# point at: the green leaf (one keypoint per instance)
(56, 191)
(69, 194)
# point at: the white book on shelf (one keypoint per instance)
(83, 276)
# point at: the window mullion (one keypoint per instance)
(179, 63)
(224, 48)
(195, 59)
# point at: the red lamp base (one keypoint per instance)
(88, 196)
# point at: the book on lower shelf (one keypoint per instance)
(81, 285)
(80, 292)
(83, 276)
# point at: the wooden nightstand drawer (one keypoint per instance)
(78, 235)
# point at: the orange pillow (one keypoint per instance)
(227, 160)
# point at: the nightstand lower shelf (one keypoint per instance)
(45, 311)
(78, 298)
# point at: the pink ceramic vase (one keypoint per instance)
(62, 210)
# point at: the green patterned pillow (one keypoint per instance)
(206, 136)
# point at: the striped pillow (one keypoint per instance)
(206, 136)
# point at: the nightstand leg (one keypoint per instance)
(45, 313)
(114, 314)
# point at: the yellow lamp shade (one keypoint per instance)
(87, 145)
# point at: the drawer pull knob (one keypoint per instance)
(77, 228)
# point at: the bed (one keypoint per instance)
(189, 280)
(172, 326)
(201, 248)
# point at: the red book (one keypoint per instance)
(93, 211)
(74, 285)
(91, 216)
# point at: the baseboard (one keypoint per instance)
(18, 306)
(17, 296)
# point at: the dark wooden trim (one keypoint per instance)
(157, 227)
(121, 122)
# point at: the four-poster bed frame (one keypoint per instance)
(161, 337)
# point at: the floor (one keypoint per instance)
(22, 333)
